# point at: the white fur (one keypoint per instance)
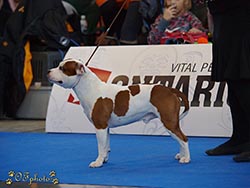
(89, 88)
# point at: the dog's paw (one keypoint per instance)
(182, 159)
(96, 164)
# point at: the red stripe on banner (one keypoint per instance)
(102, 74)
(71, 99)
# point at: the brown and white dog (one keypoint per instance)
(109, 105)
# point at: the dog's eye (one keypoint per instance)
(61, 68)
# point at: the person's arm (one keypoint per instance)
(157, 30)
(196, 25)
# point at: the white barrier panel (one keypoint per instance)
(186, 67)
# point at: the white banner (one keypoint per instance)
(185, 67)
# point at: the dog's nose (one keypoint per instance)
(48, 71)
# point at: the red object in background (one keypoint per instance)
(102, 74)
(191, 38)
(202, 40)
(71, 99)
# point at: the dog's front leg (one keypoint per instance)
(102, 136)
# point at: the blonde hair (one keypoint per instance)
(187, 4)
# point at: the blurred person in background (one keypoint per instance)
(176, 16)
(77, 8)
(128, 24)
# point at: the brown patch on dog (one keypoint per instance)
(183, 98)
(101, 112)
(121, 103)
(69, 68)
(134, 89)
(168, 105)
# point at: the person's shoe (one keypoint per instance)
(228, 148)
(242, 157)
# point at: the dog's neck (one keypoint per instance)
(88, 87)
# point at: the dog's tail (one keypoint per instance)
(184, 100)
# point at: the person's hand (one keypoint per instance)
(169, 13)
(194, 30)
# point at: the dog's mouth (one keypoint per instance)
(55, 81)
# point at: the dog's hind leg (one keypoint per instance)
(184, 155)
(102, 136)
(174, 130)
(168, 104)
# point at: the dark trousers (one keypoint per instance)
(108, 11)
(5, 73)
(128, 23)
(239, 102)
(132, 23)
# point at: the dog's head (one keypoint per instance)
(67, 74)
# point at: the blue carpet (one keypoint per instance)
(134, 161)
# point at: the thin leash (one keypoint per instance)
(103, 35)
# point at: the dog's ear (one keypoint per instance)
(80, 69)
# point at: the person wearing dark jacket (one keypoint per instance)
(231, 63)
(36, 20)
(4, 15)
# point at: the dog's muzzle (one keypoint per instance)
(52, 81)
